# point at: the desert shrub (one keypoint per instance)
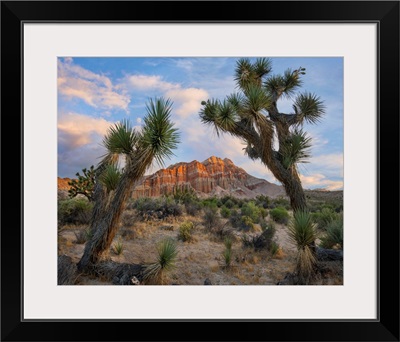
(185, 195)
(211, 218)
(171, 209)
(185, 231)
(229, 203)
(158, 208)
(193, 208)
(82, 236)
(167, 253)
(251, 210)
(263, 213)
(334, 234)
(263, 201)
(246, 223)
(323, 217)
(240, 202)
(264, 240)
(280, 215)
(281, 202)
(210, 202)
(235, 219)
(74, 211)
(247, 241)
(128, 218)
(225, 212)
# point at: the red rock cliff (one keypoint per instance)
(214, 176)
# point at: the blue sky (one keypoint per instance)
(95, 92)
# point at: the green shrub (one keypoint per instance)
(185, 231)
(263, 201)
(211, 202)
(280, 215)
(229, 203)
(280, 202)
(246, 223)
(193, 208)
(225, 212)
(158, 208)
(251, 210)
(324, 217)
(263, 213)
(334, 234)
(211, 218)
(74, 211)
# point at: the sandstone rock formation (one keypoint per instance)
(212, 177)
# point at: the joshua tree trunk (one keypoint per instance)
(295, 191)
(290, 180)
(104, 224)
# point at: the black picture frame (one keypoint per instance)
(384, 13)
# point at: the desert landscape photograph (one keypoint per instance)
(200, 171)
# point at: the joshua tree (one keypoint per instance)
(155, 141)
(252, 115)
(84, 185)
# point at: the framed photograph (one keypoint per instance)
(174, 145)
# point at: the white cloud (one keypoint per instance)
(188, 100)
(77, 130)
(146, 82)
(94, 89)
(320, 181)
(139, 120)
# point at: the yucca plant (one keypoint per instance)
(302, 232)
(118, 247)
(252, 115)
(167, 253)
(139, 148)
(227, 253)
(334, 234)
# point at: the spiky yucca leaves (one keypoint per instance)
(227, 253)
(334, 234)
(252, 115)
(296, 148)
(167, 253)
(302, 232)
(158, 135)
(110, 177)
(308, 107)
(120, 138)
